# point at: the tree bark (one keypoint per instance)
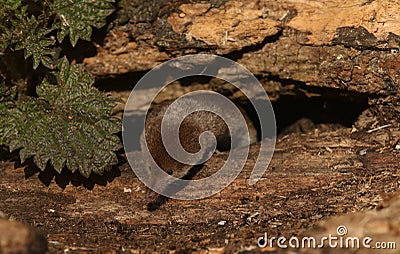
(327, 43)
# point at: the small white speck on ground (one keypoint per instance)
(222, 223)
(363, 152)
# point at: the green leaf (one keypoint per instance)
(69, 125)
(76, 17)
(9, 5)
(7, 9)
(3, 114)
(29, 35)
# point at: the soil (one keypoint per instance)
(313, 176)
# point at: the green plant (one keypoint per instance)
(49, 108)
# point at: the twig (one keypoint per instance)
(379, 128)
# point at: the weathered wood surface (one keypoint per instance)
(312, 177)
(352, 45)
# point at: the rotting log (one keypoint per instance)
(352, 45)
(292, 46)
(301, 48)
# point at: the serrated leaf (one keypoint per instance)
(6, 102)
(10, 4)
(8, 7)
(29, 35)
(76, 17)
(69, 125)
(3, 122)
